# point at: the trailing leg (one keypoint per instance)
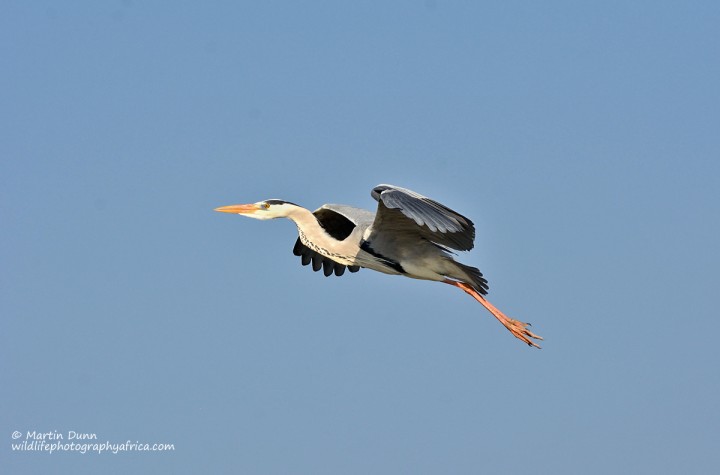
(517, 328)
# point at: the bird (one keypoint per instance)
(409, 235)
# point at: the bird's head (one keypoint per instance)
(268, 209)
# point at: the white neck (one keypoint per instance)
(308, 225)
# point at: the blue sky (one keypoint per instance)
(581, 137)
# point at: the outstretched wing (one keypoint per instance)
(402, 211)
(335, 221)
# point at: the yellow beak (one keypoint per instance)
(238, 209)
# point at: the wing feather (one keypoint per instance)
(403, 211)
(319, 261)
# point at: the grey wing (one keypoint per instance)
(403, 211)
(340, 220)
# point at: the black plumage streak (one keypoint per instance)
(365, 246)
(280, 202)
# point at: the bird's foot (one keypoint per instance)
(520, 330)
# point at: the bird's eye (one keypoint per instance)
(264, 205)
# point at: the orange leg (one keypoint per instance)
(519, 329)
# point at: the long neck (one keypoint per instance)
(311, 233)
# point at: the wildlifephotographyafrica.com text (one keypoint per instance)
(79, 442)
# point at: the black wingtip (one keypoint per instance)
(297, 249)
(317, 262)
(328, 267)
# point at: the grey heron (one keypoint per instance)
(409, 235)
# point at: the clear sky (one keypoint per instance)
(583, 138)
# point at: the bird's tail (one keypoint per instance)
(472, 276)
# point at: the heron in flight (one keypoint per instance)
(409, 235)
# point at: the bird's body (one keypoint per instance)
(409, 235)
